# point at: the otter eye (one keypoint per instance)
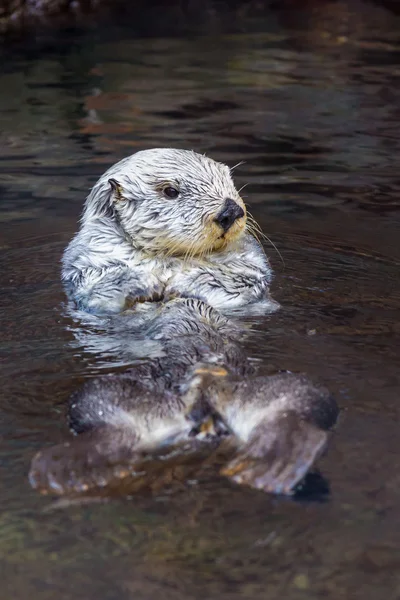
(171, 192)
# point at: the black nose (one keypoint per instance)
(228, 215)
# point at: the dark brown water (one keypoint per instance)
(309, 99)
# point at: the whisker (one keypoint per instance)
(242, 162)
(254, 227)
(173, 249)
(191, 252)
(253, 233)
(242, 188)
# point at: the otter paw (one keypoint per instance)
(277, 461)
(151, 290)
(141, 296)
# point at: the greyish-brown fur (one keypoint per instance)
(280, 423)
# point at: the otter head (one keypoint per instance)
(172, 202)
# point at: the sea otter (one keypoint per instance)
(162, 250)
(165, 223)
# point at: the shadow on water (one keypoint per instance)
(308, 98)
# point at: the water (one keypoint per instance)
(309, 100)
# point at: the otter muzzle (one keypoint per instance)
(229, 214)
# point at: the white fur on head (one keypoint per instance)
(131, 193)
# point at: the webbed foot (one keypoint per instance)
(278, 456)
(91, 460)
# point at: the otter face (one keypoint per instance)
(172, 202)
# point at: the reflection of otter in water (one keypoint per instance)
(198, 383)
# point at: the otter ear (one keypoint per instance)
(103, 199)
(116, 190)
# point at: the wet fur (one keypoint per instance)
(134, 245)
(201, 385)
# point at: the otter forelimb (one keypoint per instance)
(111, 289)
(229, 280)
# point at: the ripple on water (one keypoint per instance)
(308, 99)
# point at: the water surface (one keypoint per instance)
(309, 99)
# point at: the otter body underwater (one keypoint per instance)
(163, 250)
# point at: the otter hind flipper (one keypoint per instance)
(121, 423)
(281, 426)
(278, 456)
(91, 460)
